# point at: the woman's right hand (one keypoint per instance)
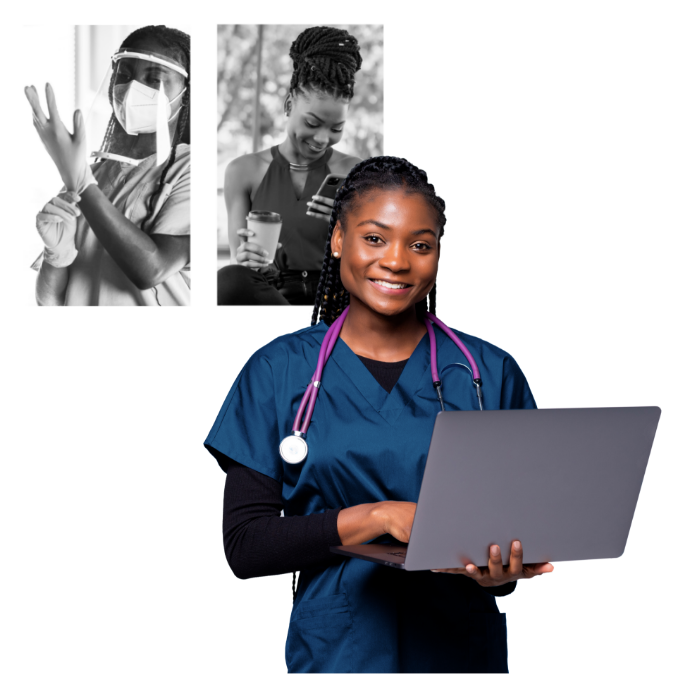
(252, 255)
(396, 518)
(57, 224)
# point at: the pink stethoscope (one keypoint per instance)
(293, 448)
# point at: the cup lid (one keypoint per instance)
(264, 216)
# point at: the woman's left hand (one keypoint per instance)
(68, 151)
(320, 207)
(496, 573)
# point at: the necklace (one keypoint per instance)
(299, 167)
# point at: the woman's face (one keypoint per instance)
(389, 250)
(316, 122)
(152, 74)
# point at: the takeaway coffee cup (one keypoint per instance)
(266, 227)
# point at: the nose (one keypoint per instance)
(321, 137)
(395, 257)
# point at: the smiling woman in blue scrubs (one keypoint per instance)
(367, 447)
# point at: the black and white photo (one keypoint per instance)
(117, 231)
(296, 124)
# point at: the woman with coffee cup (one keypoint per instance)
(283, 180)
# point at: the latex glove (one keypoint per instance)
(57, 224)
(68, 151)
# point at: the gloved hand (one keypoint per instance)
(68, 151)
(57, 224)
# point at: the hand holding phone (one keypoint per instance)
(322, 203)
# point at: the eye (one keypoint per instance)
(372, 238)
(316, 126)
(422, 246)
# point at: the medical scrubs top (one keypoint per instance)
(364, 446)
(94, 277)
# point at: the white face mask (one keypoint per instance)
(136, 104)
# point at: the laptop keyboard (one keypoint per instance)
(397, 554)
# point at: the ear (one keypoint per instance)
(287, 105)
(337, 239)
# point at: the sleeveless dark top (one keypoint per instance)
(303, 238)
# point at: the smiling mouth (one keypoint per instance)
(314, 147)
(387, 284)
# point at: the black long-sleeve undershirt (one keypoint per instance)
(258, 541)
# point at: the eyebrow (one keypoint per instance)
(319, 119)
(152, 69)
(418, 232)
(156, 67)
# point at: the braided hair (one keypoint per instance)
(325, 60)
(376, 173)
(176, 44)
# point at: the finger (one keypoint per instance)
(313, 204)
(279, 245)
(530, 570)
(245, 232)
(71, 197)
(34, 100)
(246, 256)
(516, 559)
(62, 210)
(51, 103)
(319, 216)
(78, 126)
(495, 568)
(253, 248)
(323, 200)
(67, 206)
(255, 265)
(43, 219)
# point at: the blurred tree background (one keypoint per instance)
(238, 55)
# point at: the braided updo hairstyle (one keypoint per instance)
(176, 45)
(376, 173)
(325, 60)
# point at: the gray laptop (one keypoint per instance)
(564, 482)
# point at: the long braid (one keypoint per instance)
(376, 173)
(325, 59)
(114, 128)
(177, 45)
(182, 122)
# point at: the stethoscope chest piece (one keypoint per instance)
(293, 448)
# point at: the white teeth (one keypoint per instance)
(391, 285)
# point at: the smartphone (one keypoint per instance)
(329, 188)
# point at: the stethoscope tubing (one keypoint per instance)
(307, 404)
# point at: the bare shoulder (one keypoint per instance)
(342, 163)
(246, 162)
(248, 170)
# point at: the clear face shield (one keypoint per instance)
(137, 108)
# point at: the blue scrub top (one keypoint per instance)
(365, 445)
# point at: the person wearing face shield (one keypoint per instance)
(119, 231)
